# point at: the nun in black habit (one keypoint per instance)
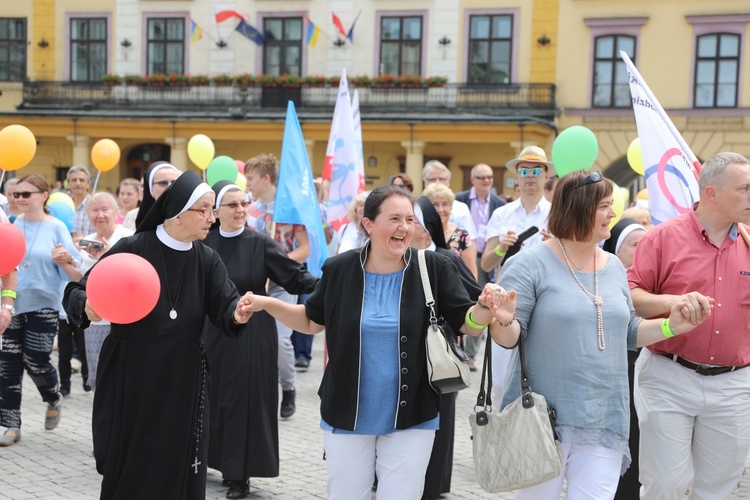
(440, 467)
(150, 416)
(244, 431)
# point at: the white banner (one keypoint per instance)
(671, 167)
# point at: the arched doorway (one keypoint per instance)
(143, 155)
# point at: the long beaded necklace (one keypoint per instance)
(27, 260)
(598, 301)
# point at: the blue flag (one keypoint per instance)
(249, 32)
(296, 200)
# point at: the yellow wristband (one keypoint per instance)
(498, 252)
(666, 330)
(8, 293)
(471, 323)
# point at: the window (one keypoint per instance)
(611, 88)
(166, 46)
(12, 49)
(401, 45)
(282, 50)
(88, 49)
(490, 49)
(717, 64)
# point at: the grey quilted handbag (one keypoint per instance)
(517, 447)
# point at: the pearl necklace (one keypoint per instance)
(598, 301)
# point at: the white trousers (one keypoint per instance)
(592, 473)
(287, 372)
(500, 360)
(400, 460)
(695, 429)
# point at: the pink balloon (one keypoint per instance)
(240, 166)
(123, 288)
(14, 247)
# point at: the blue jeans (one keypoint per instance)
(302, 342)
(27, 343)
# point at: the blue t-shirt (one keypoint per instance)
(40, 279)
(379, 366)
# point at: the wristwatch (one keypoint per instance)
(10, 308)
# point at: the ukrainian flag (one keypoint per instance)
(311, 38)
(196, 32)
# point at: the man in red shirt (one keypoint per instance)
(691, 391)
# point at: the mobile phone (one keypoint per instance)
(94, 244)
(516, 247)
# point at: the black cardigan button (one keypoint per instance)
(404, 387)
(403, 338)
(403, 355)
(404, 370)
(403, 403)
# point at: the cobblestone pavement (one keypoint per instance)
(59, 464)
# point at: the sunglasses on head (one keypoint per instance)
(591, 178)
(535, 171)
(25, 194)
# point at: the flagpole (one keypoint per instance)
(694, 163)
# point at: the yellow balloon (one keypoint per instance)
(105, 155)
(642, 194)
(625, 195)
(241, 181)
(635, 156)
(201, 151)
(17, 147)
(618, 204)
(61, 197)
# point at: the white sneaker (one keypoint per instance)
(75, 365)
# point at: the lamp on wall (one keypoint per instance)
(372, 161)
(221, 43)
(444, 41)
(126, 43)
(43, 43)
(339, 42)
(543, 40)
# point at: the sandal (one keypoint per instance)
(11, 436)
(238, 489)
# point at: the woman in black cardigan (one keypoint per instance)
(378, 410)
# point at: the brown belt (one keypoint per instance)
(703, 369)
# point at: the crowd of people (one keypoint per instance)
(633, 333)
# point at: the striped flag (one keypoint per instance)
(339, 25)
(311, 37)
(228, 14)
(350, 34)
(196, 32)
(671, 167)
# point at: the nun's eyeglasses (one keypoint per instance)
(207, 213)
(592, 177)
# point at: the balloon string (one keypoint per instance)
(96, 182)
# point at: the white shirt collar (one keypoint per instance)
(182, 246)
(231, 234)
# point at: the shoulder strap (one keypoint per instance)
(429, 300)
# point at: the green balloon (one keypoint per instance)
(574, 149)
(221, 168)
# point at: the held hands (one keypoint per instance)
(502, 304)
(244, 309)
(61, 256)
(689, 311)
(90, 313)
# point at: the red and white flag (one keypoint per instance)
(340, 167)
(223, 15)
(671, 167)
(339, 25)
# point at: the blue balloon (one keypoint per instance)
(64, 213)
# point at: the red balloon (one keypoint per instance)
(123, 288)
(240, 166)
(14, 247)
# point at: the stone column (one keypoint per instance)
(414, 162)
(178, 152)
(81, 150)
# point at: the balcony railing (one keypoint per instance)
(484, 99)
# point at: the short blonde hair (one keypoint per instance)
(358, 200)
(438, 190)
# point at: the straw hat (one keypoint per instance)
(531, 154)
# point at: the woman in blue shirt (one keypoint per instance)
(50, 261)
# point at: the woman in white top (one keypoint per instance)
(350, 236)
(102, 210)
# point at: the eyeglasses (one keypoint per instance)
(484, 177)
(233, 206)
(207, 213)
(164, 183)
(25, 194)
(536, 171)
(592, 177)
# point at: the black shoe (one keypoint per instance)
(65, 391)
(86, 386)
(287, 403)
(302, 364)
(237, 489)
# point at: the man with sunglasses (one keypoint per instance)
(531, 169)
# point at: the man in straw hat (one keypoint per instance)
(531, 169)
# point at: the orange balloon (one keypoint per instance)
(17, 147)
(105, 154)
